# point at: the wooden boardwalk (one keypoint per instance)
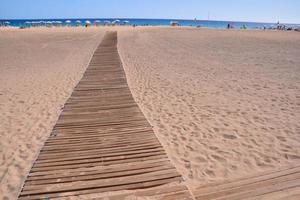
(102, 141)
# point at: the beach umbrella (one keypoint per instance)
(87, 23)
(106, 22)
(97, 22)
(27, 23)
(57, 23)
(78, 22)
(68, 22)
(35, 23)
(115, 22)
(48, 23)
(125, 22)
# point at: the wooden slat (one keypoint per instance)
(253, 187)
(101, 142)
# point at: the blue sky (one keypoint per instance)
(285, 11)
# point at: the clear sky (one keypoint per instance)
(285, 11)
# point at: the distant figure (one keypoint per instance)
(264, 27)
(228, 26)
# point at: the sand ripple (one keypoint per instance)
(223, 103)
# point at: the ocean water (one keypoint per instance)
(143, 22)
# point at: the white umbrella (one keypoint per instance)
(125, 22)
(78, 22)
(28, 23)
(106, 22)
(87, 23)
(68, 22)
(34, 23)
(116, 21)
(49, 23)
(97, 22)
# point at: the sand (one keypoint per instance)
(224, 103)
(39, 69)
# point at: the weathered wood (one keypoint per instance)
(101, 142)
(253, 187)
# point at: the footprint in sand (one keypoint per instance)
(210, 173)
(229, 136)
(219, 158)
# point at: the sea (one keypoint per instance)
(141, 22)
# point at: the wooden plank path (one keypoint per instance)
(101, 142)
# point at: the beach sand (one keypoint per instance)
(224, 103)
(39, 69)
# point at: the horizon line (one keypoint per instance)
(154, 19)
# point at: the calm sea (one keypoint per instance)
(143, 22)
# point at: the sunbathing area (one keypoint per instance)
(152, 100)
(206, 132)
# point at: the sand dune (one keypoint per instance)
(223, 103)
(39, 69)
